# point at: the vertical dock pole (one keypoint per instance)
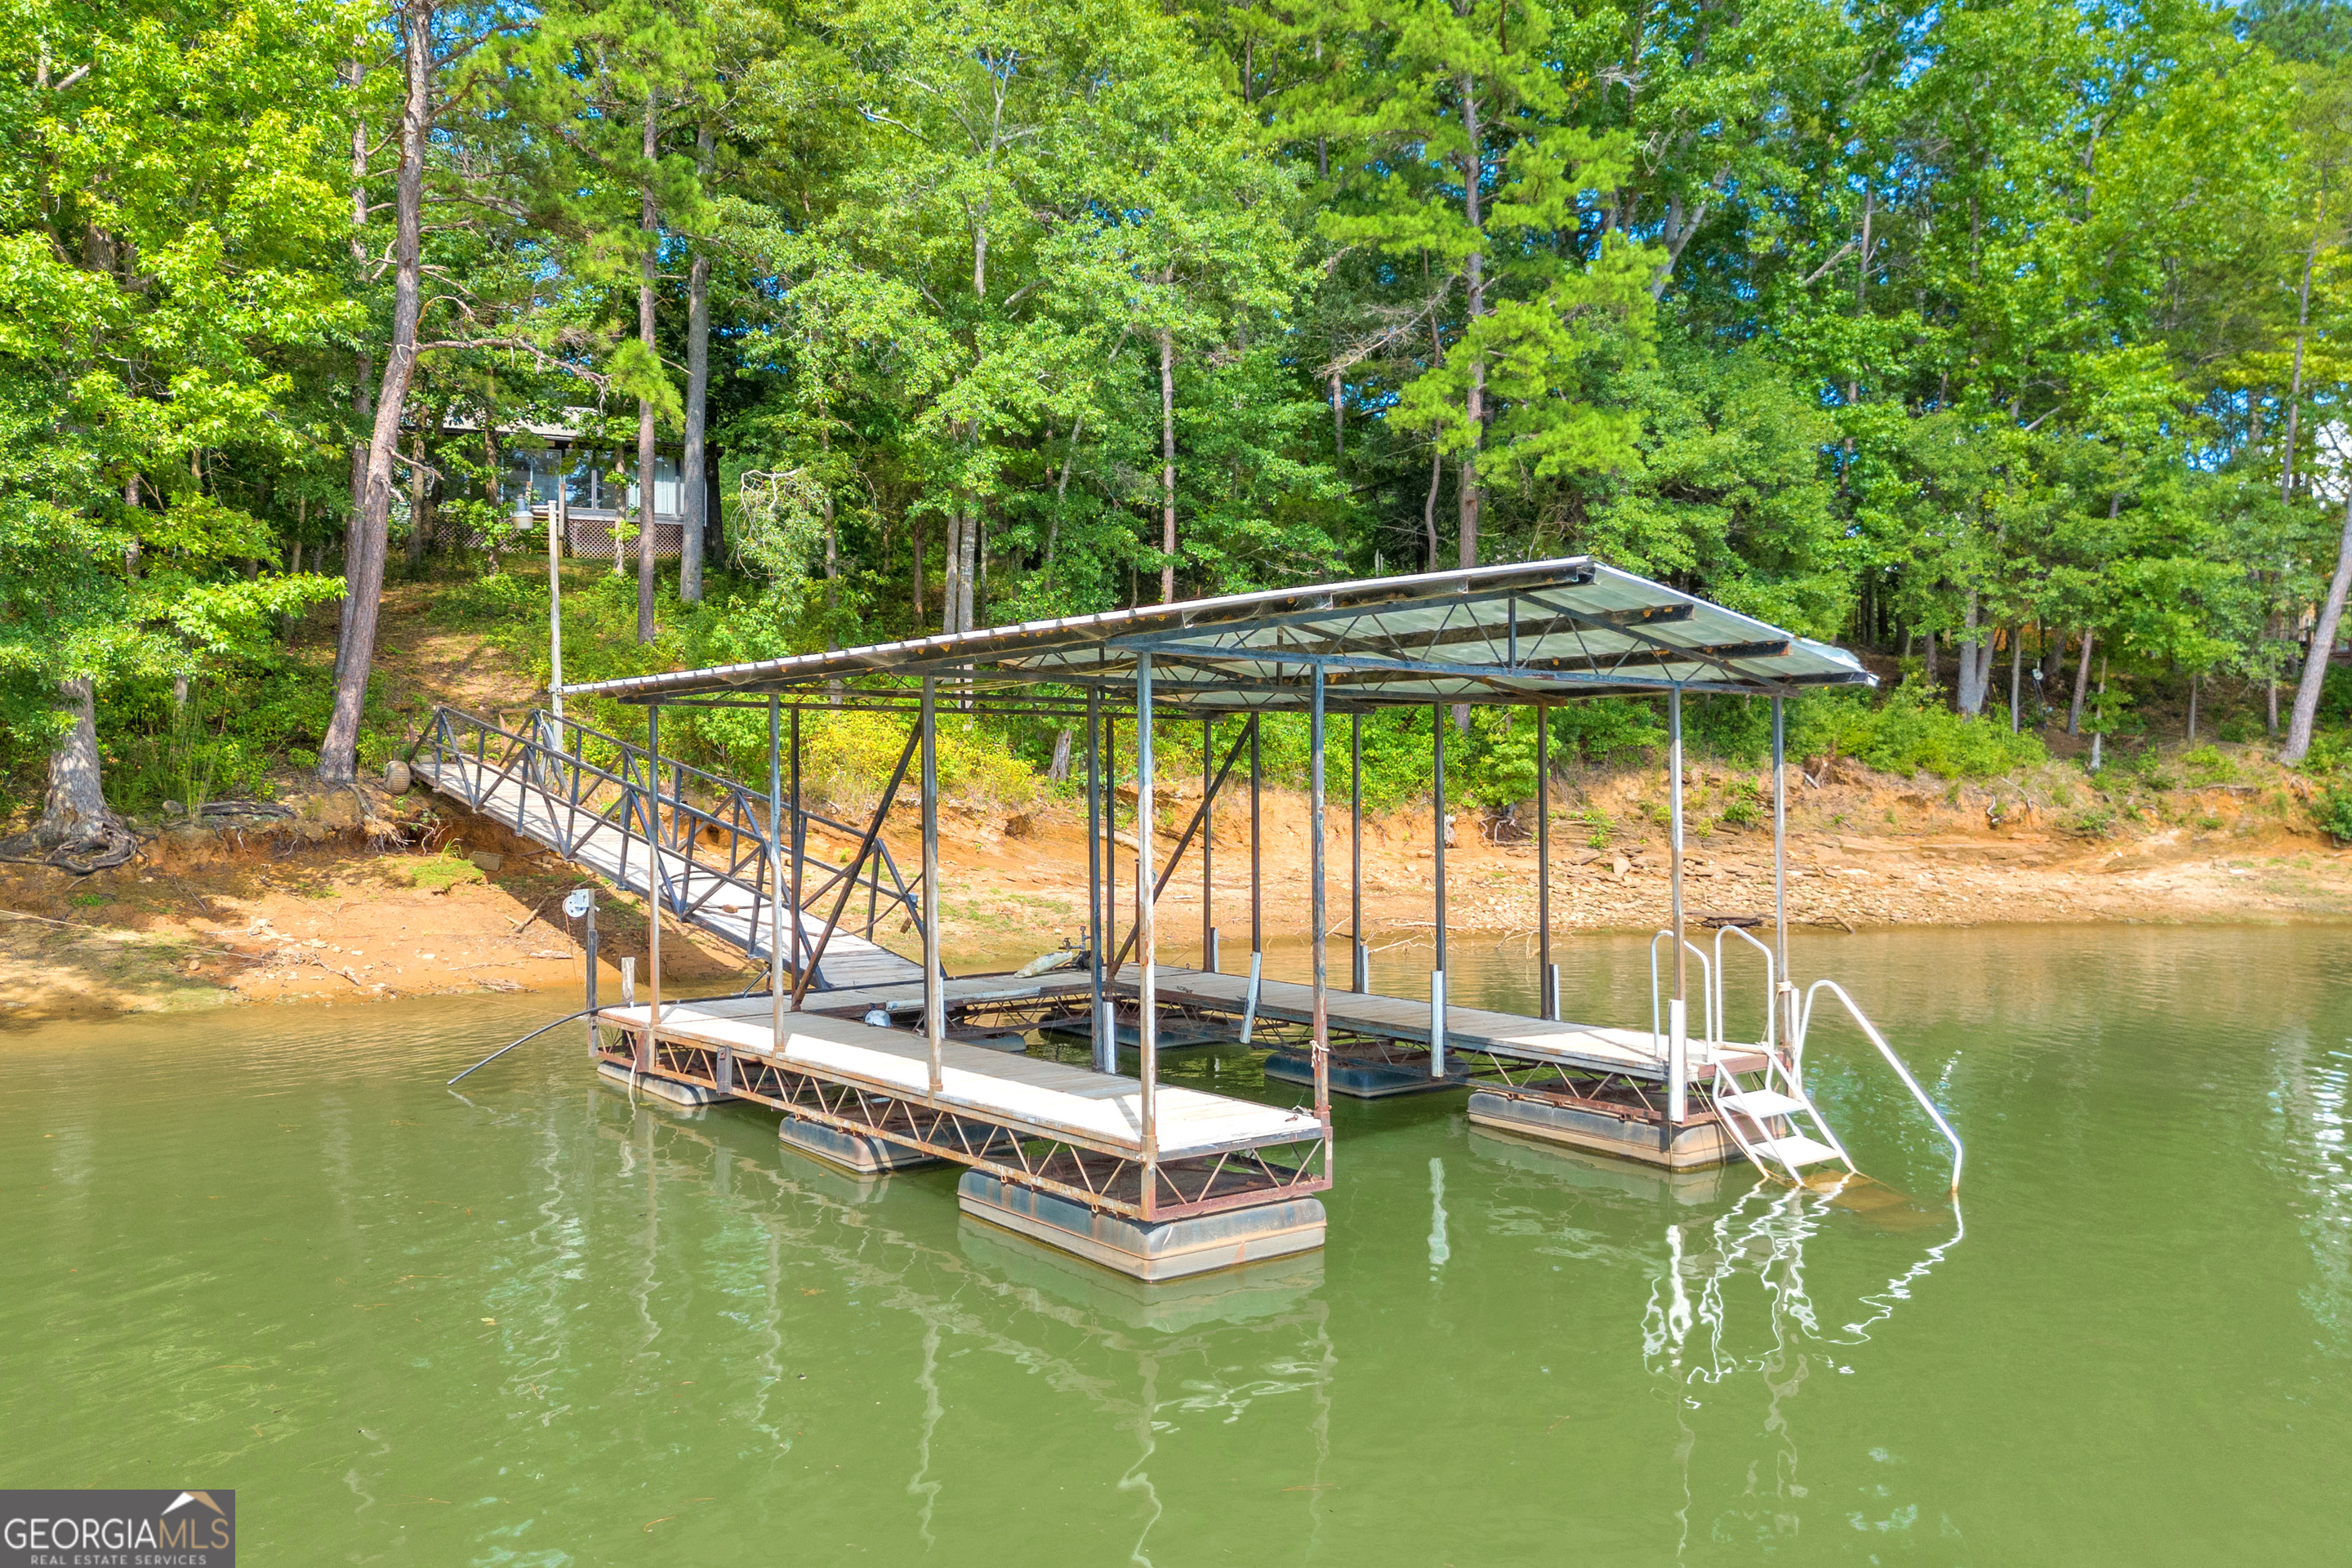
(1546, 971)
(1147, 1017)
(1094, 871)
(1786, 1003)
(800, 855)
(1257, 896)
(657, 874)
(777, 989)
(934, 1021)
(554, 601)
(1678, 1009)
(1106, 1021)
(1208, 846)
(1322, 1026)
(595, 1040)
(1437, 975)
(1359, 971)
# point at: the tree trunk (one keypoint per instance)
(1475, 408)
(339, 751)
(2192, 710)
(950, 568)
(646, 278)
(2082, 684)
(2016, 676)
(363, 369)
(75, 802)
(1167, 466)
(697, 394)
(2294, 394)
(1338, 423)
(915, 545)
(1971, 692)
(1929, 665)
(2323, 641)
(416, 500)
(966, 576)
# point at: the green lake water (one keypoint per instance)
(527, 1323)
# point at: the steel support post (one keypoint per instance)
(596, 1039)
(1785, 1004)
(554, 601)
(1208, 846)
(1437, 862)
(1147, 1017)
(655, 874)
(1258, 889)
(935, 1020)
(800, 856)
(1547, 973)
(1678, 1008)
(1322, 1026)
(1360, 968)
(1096, 957)
(1106, 1022)
(777, 820)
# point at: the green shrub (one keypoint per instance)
(2332, 809)
(1911, 731)
(2207, 765)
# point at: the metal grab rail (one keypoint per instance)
(1708, 1018)
(641, 802)
(1870, 1032)
(1772, 974)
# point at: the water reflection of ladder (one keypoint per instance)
(1765, 1113)
(698, 842)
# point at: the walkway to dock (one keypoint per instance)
(729, 904)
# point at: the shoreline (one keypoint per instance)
(418, 898)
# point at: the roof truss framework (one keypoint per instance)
(1540, 632)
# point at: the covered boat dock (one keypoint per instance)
(874, 1067)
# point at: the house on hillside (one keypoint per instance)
(590, 485)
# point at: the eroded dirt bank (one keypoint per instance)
(413, 896)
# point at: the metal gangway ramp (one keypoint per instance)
(697, 841)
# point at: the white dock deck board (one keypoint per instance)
(729, 908)
(1597, 1046)
(1023, 1092)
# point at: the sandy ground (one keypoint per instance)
(418, 898)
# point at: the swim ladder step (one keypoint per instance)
(1759, 1103)
(1795, 1151)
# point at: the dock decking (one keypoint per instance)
(1028, 1096)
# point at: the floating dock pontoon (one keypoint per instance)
(877, 1060)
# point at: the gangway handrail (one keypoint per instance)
(637, 796)
(1870, 1032)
